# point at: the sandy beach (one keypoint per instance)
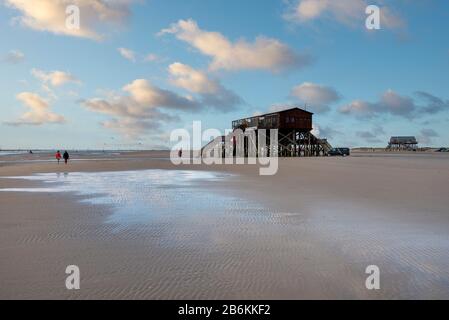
(139, 227)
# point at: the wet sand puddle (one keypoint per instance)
(176, 234)
(173, 234)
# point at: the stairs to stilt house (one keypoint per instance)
(212, 145)
(325, 145)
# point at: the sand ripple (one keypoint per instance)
(176, 235)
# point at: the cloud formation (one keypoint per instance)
(372, 136)
(434, 104)
(39, 113)
(262, 54)
(127, 54)
(145, 94)
(50, 15)
(389, 103)
(426, 136)
(211, 91)
(131, 128)
(276, 107)
(316, 96)
(14, 57)
(135, 56)
(394, 104)
(151, 57)
(348, 12)
(429, 133)
(139, 109)
(55, 78)
(325, 132)
(188, 78)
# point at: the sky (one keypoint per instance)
(134, 70)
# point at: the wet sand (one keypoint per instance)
(308, 232)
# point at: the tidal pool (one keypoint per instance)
(143, 196)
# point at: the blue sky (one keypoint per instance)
(135, 70)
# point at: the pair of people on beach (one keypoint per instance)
(65, 156)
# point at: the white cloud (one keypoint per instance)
(134, 56)
(307, 10)
(39, 113)
(127, 54)
(151, 57)
(316, 96)
(396, 104)
(359, 108)
(348, 12)
(14, 57)
(141, 109)
(316, 130)
(186, 77)
(263, 54)
(389, 103)
(211, 91)
(146, 94)
(55, 78)
(50, 15)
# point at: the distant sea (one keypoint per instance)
(90, 152)
(5, 153)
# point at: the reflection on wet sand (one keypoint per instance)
(191, 234)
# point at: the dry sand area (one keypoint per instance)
(139, 227)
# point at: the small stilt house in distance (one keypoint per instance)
(405, 143)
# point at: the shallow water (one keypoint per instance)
(8, 153)
(137, 196)
(186, 238)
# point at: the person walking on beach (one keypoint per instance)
(66, 157)
(180, 153)
(58, 156)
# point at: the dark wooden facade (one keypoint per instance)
(294, 133)
(294, 118)
(403, 143)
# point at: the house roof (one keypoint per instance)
(282, 111)
(276, 112)
(403, 139)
